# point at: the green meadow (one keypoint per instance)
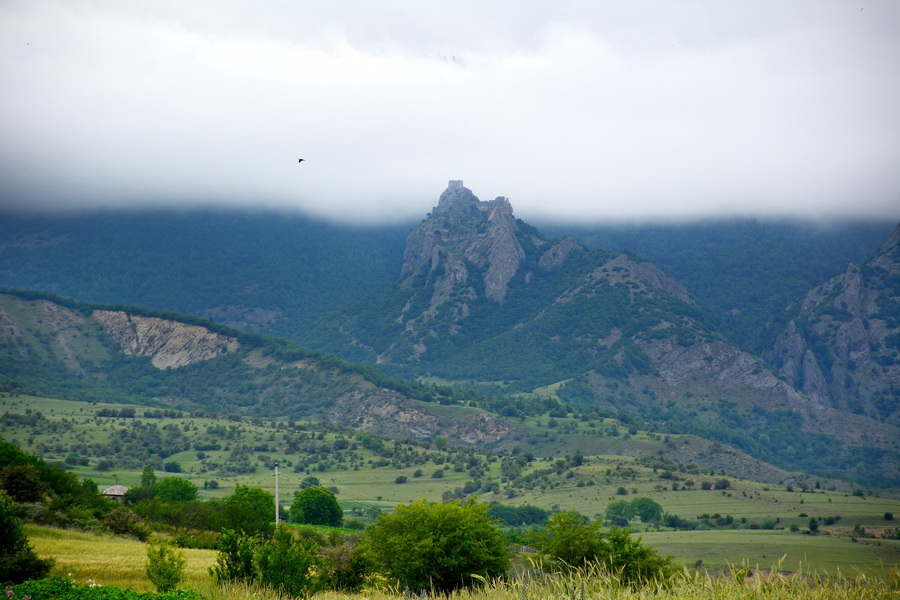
(747, 521)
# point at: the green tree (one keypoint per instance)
(175, 489)
(619, 512)
(289, 564)
(250, 510)
(570, 539)
(315, 505)
(23, 483)
(647, 509)
(440, 546)
(18, 562)
(633, 562)
(165, 565)
(148, 477)
(235, 560)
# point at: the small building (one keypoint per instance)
(116, 492)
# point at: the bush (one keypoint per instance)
(235, 561)
(346, 567)
(438, 546)
(165, 565)
(289, 564)
(57, 588)
(122, 521)
(572, 542)
(18, 562)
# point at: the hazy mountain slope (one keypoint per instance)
(60, 348)
(258, 271)
(485, 298)
(743, 272)
(65, 349)
(842, 342)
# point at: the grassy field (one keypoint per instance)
(366, 482)
(112, 561)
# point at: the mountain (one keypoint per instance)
(841, 344)
(56, 347)
(60, 348)
(744, 272)
(268, 272)
(485, 300)
(518, 323)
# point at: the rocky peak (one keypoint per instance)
(462, 228)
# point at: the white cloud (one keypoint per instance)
(573, 109)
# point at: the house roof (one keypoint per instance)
(115, 490)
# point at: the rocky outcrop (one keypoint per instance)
(840, 346)
(388, 413)
(170, 344)
(555, 256)
(462, 228)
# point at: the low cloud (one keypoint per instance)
(575, 111)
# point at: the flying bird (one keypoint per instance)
(301, 160)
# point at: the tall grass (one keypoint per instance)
(114, 561)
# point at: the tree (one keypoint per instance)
(250, 511)
(648, 510)
(23, 483)
(165, 565)
(316, 506)
(570, 539)
(440, 546)
(619, 512)
(175, 489)
(148, 477)
(18, 562)
(289, 564)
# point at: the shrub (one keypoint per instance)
(289, 564)
(234, 563)
(346, 567)
(122, 521)
(439, 546)
(165, 565)
(573, 542)
(18, 562)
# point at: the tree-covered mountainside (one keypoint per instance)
(744, 272)
(267, 272)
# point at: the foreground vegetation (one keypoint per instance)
(113, 561)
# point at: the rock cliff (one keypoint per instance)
(170, 344)
(841, 344)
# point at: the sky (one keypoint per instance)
(575, 110)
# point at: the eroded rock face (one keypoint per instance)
(170, 344)
(463, 227)
(840, 347)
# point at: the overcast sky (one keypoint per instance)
(573, 110)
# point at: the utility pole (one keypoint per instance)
(277, 519)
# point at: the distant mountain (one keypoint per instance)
(842, 344)
(60, 348)
(485, 299)
(475, 298)
(744, 272)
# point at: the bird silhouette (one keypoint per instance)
(301, 160)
